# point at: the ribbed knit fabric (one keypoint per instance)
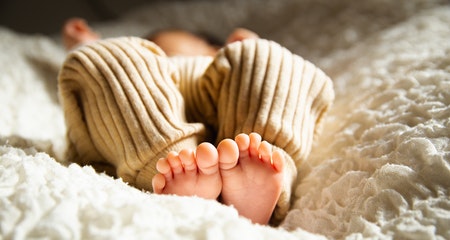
(122, 107)
(190, 69)
(127, 104)
(259, 86)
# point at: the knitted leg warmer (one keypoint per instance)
(122, 108)
(259, 86)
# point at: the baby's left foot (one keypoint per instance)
(252, 184)
(189, 174)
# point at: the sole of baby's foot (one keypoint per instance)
(189, 173)
(253, 183)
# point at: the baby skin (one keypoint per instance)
(243, 172)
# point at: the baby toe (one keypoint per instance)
(187, 158)
(207, 158)
(228, 154)
(164, 168)
(255, 141)
(278, 161)
(175, 163)
(265, 152)
(158, 183)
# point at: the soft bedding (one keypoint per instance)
(380, 168)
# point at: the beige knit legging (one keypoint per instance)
(126, 104)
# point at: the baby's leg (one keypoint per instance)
(122, 108)
(253, 183)
(190, 173)
(259, 86)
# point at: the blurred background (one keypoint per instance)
(47, 16)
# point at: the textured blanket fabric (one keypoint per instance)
(380, 168)
(42, 199)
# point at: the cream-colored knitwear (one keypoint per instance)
(259, 86)
(122, 108)
(118, 110)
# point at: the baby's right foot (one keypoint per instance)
(194, 174)
(252, 184)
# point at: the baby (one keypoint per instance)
(174, 42)
(148, 110)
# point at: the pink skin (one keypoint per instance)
(253, 185)
(77, 32)
(245, 173)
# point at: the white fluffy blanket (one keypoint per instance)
(381, 168)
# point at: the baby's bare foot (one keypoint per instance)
(189, 174)
(252, 184)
